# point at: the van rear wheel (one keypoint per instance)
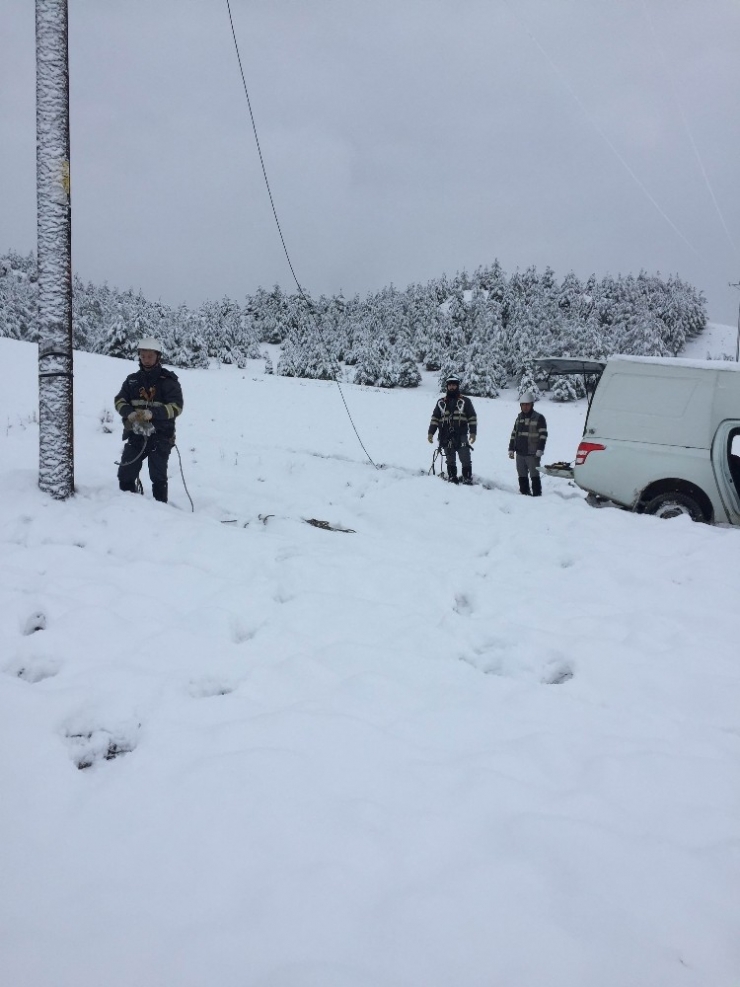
(672, 504)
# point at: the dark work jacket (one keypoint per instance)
(454, 417)
(158, 390)
(529, 435)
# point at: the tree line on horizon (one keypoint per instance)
(485, 326)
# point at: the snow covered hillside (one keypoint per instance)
(479, 739)
(717, 342)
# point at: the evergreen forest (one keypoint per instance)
(486, 326)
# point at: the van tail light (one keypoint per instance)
(585, 449)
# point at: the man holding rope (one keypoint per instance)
(454, 416)
(149, 402)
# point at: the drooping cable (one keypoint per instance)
(302, 293)
(182, 475)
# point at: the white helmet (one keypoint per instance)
(150, 343)
(526, 398)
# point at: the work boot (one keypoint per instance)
(159, 491)
(524, 485)
(536, 486)
(128, 485)
(452, 477)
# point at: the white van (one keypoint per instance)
(662, 436)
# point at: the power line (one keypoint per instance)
(561, 75)
(689, 134)
(309, 306)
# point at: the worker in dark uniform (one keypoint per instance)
(527, 443)
(149, 402)
(454, 417)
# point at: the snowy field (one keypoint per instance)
(715, 343)
(480, 740)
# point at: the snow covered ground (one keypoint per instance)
(481, 740)
(715, 343)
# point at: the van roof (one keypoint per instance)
(676, 361)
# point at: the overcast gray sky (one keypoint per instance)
(402, 139)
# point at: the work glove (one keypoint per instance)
(430, 438)
(538, 455)
(142, 428)
(471, 439)
(511, 455)
(140, 415)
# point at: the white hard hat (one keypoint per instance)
(149, 343)
(526, 398)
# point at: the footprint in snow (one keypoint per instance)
(462, 605)
(90, 745)
(241, 632)
(207, 688)
(36, 622)
(34, 669)
(557, 674)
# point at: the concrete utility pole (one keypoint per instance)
(54, 247)
(737, 341)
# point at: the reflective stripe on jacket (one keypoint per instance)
(158, 390)
(529, 435)
(454, 419)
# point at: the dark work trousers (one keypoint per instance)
(157, 450)
(526, 466)
(451, 454)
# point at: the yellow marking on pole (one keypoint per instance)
(65, 177)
